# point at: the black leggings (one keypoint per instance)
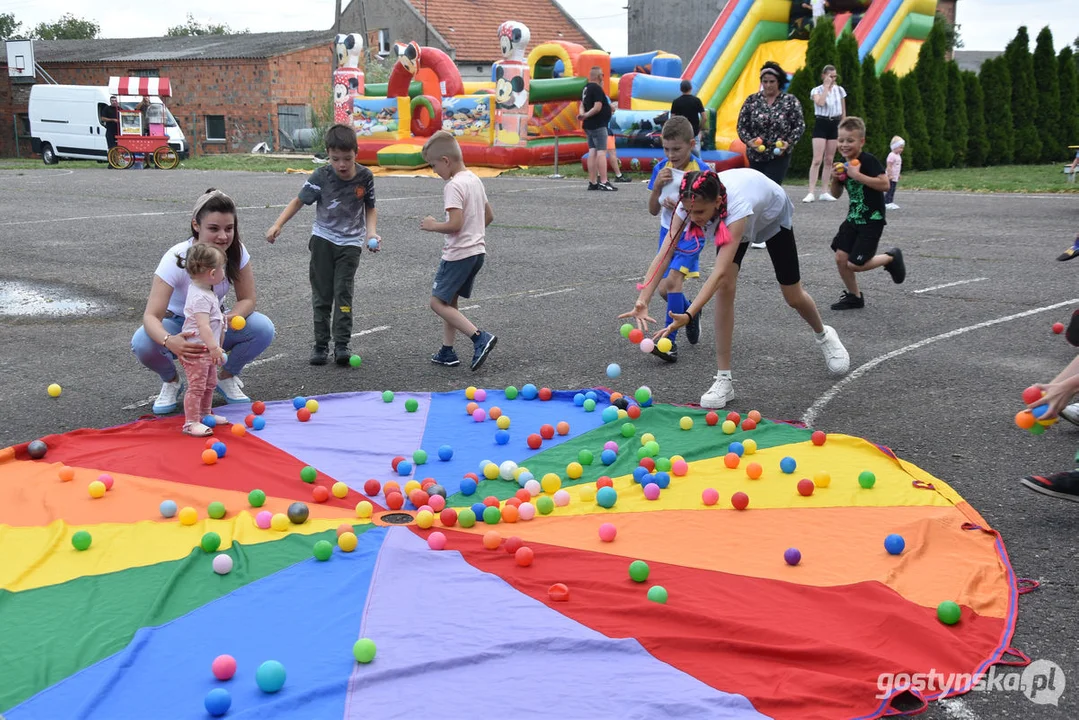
(784, 254)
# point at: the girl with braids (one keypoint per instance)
(731, 209)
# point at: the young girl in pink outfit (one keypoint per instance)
(205, 264)
(894, 169)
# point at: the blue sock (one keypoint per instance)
(676, 303)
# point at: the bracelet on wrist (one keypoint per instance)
(165, 341)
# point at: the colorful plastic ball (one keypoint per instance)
(480, 395)
(223, 667)
(364, 649)
(528, 392)
(578, 399)
(470, 393)
(97, 488)
(510, 513)
(511, 393)
(894, 544)
(732, 459)
(448, 517)
(507, 470)
(209, 421)
(217, 702)
(209, 457)
(372, 487)
(749, 424)
(754, 470)
(651, 491)
(466, 517)
(607, 532)
(608, 456)
(492, 539)
(218, 447)
(323, 550)
(495, 413)
(686, 422)
(533, 487)
(806, 487)
(37, 449)
(238, 430)
(222, 564)
(81, 540)
(524, 556)
(418, 497)
(867, 479)
(298, 402)
(279, 522)
(561, 498)
(728, 427)
(792, 556)
(550, 483)
(468, 486)
(737, 448)
(750, 446)
(526, 511)
(258, 423)
(523, 476)
(419, 457)
(819, 437)
(628, 430)
(638, 571)
(303, 414)
(740, 501)
(512, 544)
(258, 407)
(574, 470)
(404, 468)
(647, 345)
(710, 496)
(754, 415)
(643, 394)
(66, 474)
(545, 394)
(490, 471)
(822, 479)
(264, 519)
(949, 612)
(633, 411)
(609, 414)
(664, 344)
(210, 542)
(311, 405)
(395, 500)
(635, 336)
(614, 370)
(364, 508)
(711, 418)
(545, 505)
(270, 676)
(658, 594)
(425, 519)
(1037, 429)
(54, 390)
(339, 490)
(589, 405)
(502, 437)
(625, 330)
(492, 515)
(788, 465)
(167, 508)
(298, 513)
(1058, 327)
(308, 474)
(412, 405)
(679, 467)
(663, 464)
(1032, 394)
(562, 428)
(479, 414)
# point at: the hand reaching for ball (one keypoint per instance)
(639, 313)
(678, 320)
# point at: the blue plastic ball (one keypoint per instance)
(404, 468)
(609, 414)
(737, 448)
(270, 676)
(468, 486)
(372, 244)
(647, 479)
(608, 456)
(299, 402)
(258, 423)
(787, 465)
(218, 701)
(1040, 410)
(606, 497)
(208, 421)
(591, 395)
(219, 448)
(777, 152)
(529, 392)
(894, 544)
(168, 508)
(589, 404)
(502, 437)
(445, 452)
(483, 465)
(663, 480)
(578, 399)
(613, 370)
(639, 472)
(478, 509)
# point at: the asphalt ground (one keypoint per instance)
(937, 372)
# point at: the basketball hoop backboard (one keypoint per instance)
(20, 59)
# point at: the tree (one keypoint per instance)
(1069, 97)
(9, 26)
(956, 126)
(918, 143)
(952, 41)
(892, 97)
(849, 69)
(977, 142)
(933, 83)
(997, 92)
(193, 27)
(1047, 76)
(801, 84)
(876, 141)
(820, 50)
(68, 27)
(1024, 94)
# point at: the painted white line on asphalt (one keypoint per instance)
(380, 328)
(552, 292)
(468, 307)
(263, 361)
(948, 285)
(140, 403)
(815, 409)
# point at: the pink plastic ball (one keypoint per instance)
(436, 541)
(647, 345)
(561, 498)
(651, 491)
(480, 395)
(710, 496)
(526, 511)
(680, 467)
(426, 507)
(437, 503)
(223, 667)
(533, 487)
(262, 520)
(106, 479)
(610, 445)
(479, 414)
(607, 531)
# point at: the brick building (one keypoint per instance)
(230, 92)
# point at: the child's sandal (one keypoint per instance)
(220, 419)
(197, 429)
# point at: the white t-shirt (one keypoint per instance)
(464, 191)
(818, 8)
(178, 279)
(764, 205)
(833, 101)
(200, 300)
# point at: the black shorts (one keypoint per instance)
(784, 253)
(858, 241)
(825, 127)
(455, 277)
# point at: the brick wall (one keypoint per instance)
(245, 91)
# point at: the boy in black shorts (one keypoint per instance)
(856, 242)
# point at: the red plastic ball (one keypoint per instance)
(418, 498)
(448, 517)
(472, 476)
(249, 421)
(303, 414)
(740, 501)
(395, 500)
(428, 482)
(711, 418)
(1032, 395)
(210, 442)
(258, 407)
(534, 441)
(805, 487)
(749, 424)
(732, 459)
(634, 412)
(734, 417)
(512, 502)
(1058, 327)
(491, 501)
(562, 428)
(372, 487)
(524, 556)
(545, 394)
(320, 494)
(513, 544)
(635, 336)
(648, 464)
(547, 432)
(818, 437)
(604, 481)
(523, 495)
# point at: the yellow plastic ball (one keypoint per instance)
(520, 469)
(622, 414)
(647, 438)
(410, 486)
(1048, 423)
(239, 322)
(279, 522)
(686, 423)
(676, 458)
(822, 479)
(347, 542)
(588, 493)
(312, 405)
(490, 471)
(188, 516)
(425, 519)
(470, 392)
(550, 483)
(96, 489)
(55, 390)
(729, 427)
(574, 470)
(339, 490)
(750, 446)
(364, 509)
(503, 422)
(664, 344)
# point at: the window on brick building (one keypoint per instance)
(381, 40)
(215, 128)
(144, 72)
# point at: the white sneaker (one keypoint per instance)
(1071, 413)
(835, 355)
(827, 197)
(165, 402)
(809, 198)
(892, 206)
(721, 393)
(232, 390)
(758, 245)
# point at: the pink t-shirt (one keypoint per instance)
(202, 301)
(894, 166)
(464, 191)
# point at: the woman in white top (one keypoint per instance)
(829, 107)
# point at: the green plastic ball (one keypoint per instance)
(355, 361)
(642, 452)
(256, 498)
(628, 430)
(323, 550)
(544, 504)
(387, 396)
(867, 479)
(466, 518)
(1037, 429)
(585, 457)
(511, 392)
(638, 571)
(658, 594)
(308, 474)
(642, 395)
(364, 650)
(216, 510)
(491, 515)
(625, 330)
(949, 612)
(663, 464)
(81, 540)
(419, 457)
(210, 542)
(589, 405)
(412, 405)
(652, 447)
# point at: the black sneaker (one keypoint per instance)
(896, 268)
(1063, 485)
(671, 356)
(607, 186)
(446, 356)
(848, 301)
(1070, 252)
(483, 345)
(693, 329)
(622, 178)
(1072, 333)
(341, 354)
(593, 186)
(320, 355)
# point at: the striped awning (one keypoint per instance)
(156, 86)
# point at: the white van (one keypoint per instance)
(65, 122)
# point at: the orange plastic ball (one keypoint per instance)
(510, 514)
(1025, 419)
(755, 416)
(238, 430)
(391, 486)
(731, 460)
(524, 556)
(320, 494)
(344, 528)
(209, 457)
(492, 539)
(754, 470)
(615, 396)
(67, 474)
(494, 413)
(562, 428)
(471, 408)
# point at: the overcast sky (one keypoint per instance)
(985, 24)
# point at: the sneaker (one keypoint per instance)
(232, 390)
(896, 268)
(593, 186)
(808, 198)
(721, 393)
(622, 179)
(1063, 485)
(826, 197)
(835, 355)
(693, 329)
(758, 245)
(891, 206)
(341, 354)
(446, 356)
(320, 355)
(1070, 252)
(849, 301)
(165, 402)
(607, 186)
(483, 345)
(1071, 413)
(670, 356)
(1072, 333)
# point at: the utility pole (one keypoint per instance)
(336, 27)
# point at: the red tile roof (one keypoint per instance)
(471, 26)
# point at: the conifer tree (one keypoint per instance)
(956, 126)
(1024, 95)
(919, 148)
(977, 142)
(1047, 76)
(1069, 97)
(933, 83)
(892, 98)
(876, 140)
(849, 69)
(997, 91)
(802, 155)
